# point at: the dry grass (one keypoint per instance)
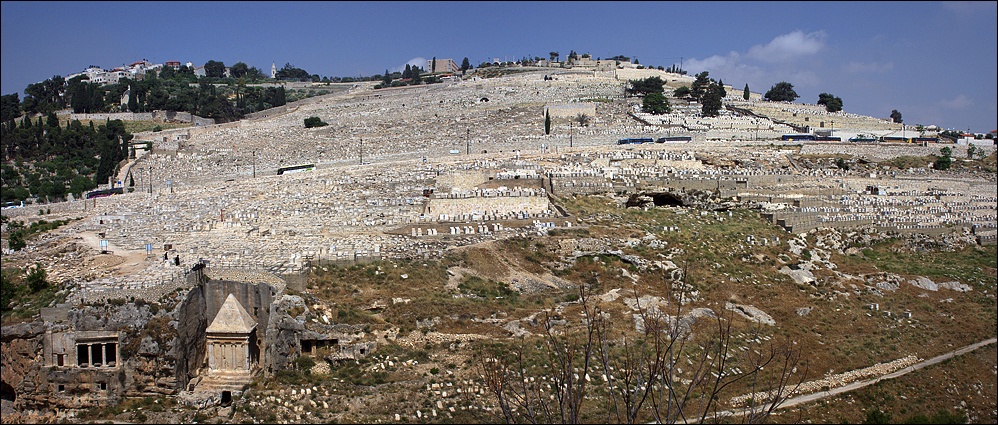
(838, 334)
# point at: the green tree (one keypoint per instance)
(255, 74)
(781, 92)
(133, 99)
(832, 103)
(386, 80)
(10, 108)
(214, 69)
(700, 85)
(896, 116)
(944, 162)
(682, 92)
(547, 122)
(465, 65)
(656, 103)
(646, 86)
(711, 102)
(415, 75)
(971, 148)
(36, 278)
(745, 94)
(239, 70)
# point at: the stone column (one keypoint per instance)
(211, 356)
(246, 356)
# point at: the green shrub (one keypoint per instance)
(311, 122)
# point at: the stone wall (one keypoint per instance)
(498, 206)
(162, 116)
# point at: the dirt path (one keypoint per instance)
(793, 401)
(860, 384)
(133, 260)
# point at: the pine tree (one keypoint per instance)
(745, 94)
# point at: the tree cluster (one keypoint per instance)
(16, 284)
(44, 97)
(173, 91)
(289, 72)
(46, 161)
(707, 92)
(652, 88)
(675, 70)
(646, 86)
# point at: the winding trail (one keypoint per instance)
(807, 398)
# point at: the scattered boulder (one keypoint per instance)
(751, 313)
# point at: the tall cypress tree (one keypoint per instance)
(133, 101)
(745, 94)
(547, 122)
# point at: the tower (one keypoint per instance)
(273, 70)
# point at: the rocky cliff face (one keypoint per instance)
(284, 331)
(160, 348)
(40, 386)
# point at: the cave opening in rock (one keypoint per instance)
(7, 392)
(666, 200)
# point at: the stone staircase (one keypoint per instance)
(208, 389)
(218, 381)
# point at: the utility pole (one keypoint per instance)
(150, 180)
(570, 134)
(254, 164)
(361, 151)
(467, 140)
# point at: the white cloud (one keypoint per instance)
(959, 102)
(865, 68)
(788, 47)
(969, 8)
(417, 61)
(804, 78)
(730, 66)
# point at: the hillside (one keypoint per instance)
(461, 237)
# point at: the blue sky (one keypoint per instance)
(935, 62)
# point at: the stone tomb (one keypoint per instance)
(229, 338)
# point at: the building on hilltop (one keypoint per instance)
(442, 66)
